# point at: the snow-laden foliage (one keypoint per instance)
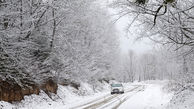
(167, 22)
(63, 39)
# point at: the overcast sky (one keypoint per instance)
(127, 41)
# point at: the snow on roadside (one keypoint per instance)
(153, 97)
(183, 97)
(66, 98)
(183, 100)
(6, 105)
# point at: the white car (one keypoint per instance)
(117, 89)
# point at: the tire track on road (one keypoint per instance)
(107, 95)
(104, 102)
(126, 98)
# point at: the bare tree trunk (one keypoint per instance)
(185, 69)
(139, 78)
(54, 28)
(131, 55)
(21, 16)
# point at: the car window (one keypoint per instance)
(116, 85)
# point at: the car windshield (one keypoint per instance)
(116, 85)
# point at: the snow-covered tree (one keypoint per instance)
(58, 38)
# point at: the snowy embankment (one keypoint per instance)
(144, 95)
(153, 97)
(183, 97)
(66, 97)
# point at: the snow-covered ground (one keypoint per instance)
(66, 97)
(183, 100)
(183, 96)
(144, 95)
(153, 97)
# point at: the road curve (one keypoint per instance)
(109, 100)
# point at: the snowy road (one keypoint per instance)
(143, 96)
(109, 101)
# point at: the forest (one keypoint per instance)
(47, 43)
(60, 41)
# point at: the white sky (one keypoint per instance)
(127, 41)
